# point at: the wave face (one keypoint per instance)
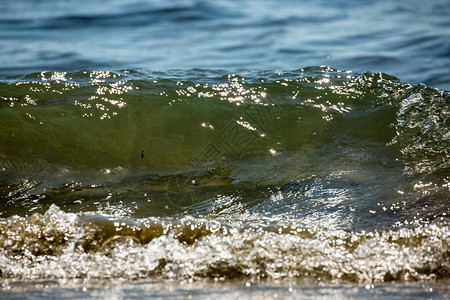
(316, 172)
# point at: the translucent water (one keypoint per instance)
(184, 149)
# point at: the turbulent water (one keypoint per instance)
(313, 173)
(224, 149)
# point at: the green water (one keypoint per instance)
(145, 152)
(320, 176)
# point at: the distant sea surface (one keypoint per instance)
(406, 39)
(224, 149)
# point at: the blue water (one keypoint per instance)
(406, 39)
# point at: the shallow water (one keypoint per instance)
(236, 175)
(315, 173)
(294, 289)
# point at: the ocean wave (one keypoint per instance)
(61, 245)
(315, 172)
